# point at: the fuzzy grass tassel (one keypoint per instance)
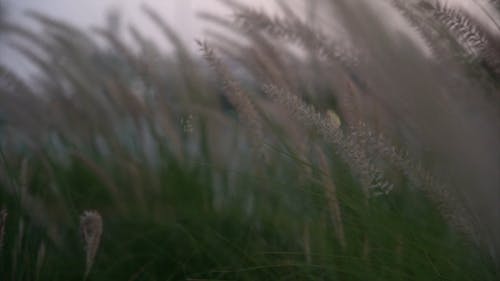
(91, 228)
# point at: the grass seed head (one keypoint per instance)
(91, 229)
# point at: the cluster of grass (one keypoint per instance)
(284, 154)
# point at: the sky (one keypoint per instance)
(180, 14)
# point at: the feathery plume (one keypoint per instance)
(295, 31)
(420, 26)
(237, 97)
(437, 191)
(91, 229)
(354, 155)
(331, 197)
(466, 32)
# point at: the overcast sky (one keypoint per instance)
(181, 14)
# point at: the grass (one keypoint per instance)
(201, 174)
(183, 232)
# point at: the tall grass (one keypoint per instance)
(343, 150)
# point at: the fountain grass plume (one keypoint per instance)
(91, 229)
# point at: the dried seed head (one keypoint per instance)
(91, 229)
(238, 98)
(467, 33)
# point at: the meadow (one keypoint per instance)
(286, 148)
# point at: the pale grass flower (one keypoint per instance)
(91, 229)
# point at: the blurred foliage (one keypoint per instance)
(201, 172)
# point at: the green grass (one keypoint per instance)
(185, 225)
